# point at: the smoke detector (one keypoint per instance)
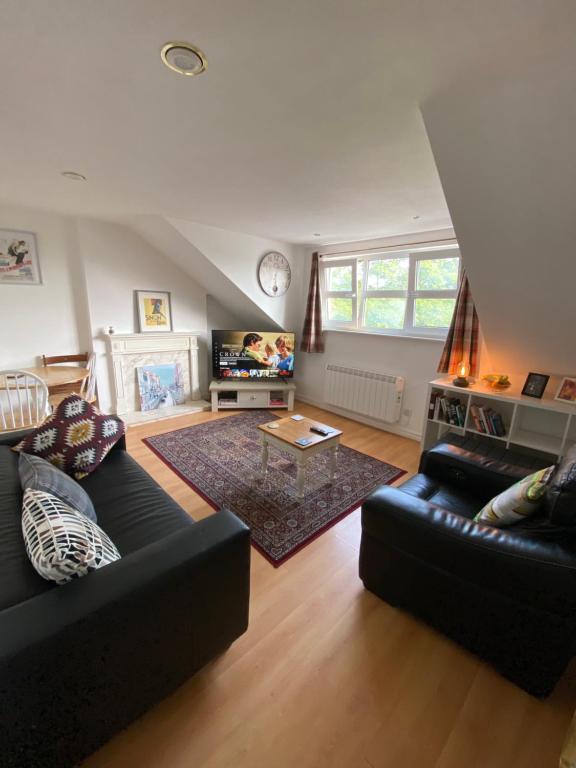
(183, 58)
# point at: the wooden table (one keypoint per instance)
(55, 376)
(284, 438)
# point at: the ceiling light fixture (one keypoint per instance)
(73, 176)
(183, 58)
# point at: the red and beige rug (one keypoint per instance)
(221, 461)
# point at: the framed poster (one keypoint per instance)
(154, 311)
(19, 258)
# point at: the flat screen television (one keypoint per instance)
(252, 354)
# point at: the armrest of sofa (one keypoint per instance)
(472, 467)
(13, 438)
(527, 570)
(89, 657)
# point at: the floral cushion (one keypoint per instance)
(521, 500)
(75, 438)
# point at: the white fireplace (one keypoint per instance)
(128, 351)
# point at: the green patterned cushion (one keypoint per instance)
(521, 500)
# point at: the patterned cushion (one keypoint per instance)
(40, 475)
(75, 437)
(521, 500)
(61, 543)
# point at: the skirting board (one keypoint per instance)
(384, 426)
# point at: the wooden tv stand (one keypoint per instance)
(243, 393)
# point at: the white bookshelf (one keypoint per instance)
(544, 425)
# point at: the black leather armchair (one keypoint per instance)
(507, 594)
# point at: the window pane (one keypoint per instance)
(339, 278)
(437, 275)
(385, 313)
(340, 310)
(433, 313)
(388, 275)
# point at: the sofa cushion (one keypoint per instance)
(18, 579)
(75, 438)
(442, 495)
(62, 543)
(560, 498)
(520, 501)
(131, 507)
(41, 475)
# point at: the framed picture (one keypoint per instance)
(161, 386)
(535, 384)
(154, 311)
(19, 258)
(567, 390)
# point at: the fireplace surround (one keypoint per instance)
(128, 351)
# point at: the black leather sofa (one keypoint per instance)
(507, 594)
(79, 662)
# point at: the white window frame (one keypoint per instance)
(353, 294)
(411, 294)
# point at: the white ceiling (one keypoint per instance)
(307, 119)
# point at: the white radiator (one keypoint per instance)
(364, 392)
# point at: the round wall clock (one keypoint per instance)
(274, 274)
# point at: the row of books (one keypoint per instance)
(448, 409)
(487, 421)
(452, 411)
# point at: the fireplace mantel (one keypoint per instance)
(128, 351)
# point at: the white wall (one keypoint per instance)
(237, 256)
(50, 318)
(414, 359)
(118, 262)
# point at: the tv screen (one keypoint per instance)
(252, 354)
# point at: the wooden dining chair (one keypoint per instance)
(87, 389)
(23, 400)
(56, 359)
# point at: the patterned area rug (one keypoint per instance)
(221, 461)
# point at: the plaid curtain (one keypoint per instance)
(462, 340)
(312, 340)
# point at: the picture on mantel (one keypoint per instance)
(161, 386)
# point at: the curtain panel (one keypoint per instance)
(312, 339)
(462, 341)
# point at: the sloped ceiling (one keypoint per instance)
(504, 140)
(305, 121)
(224, 263)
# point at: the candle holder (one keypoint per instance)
(461, 379)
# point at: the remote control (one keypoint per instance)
(320, 431)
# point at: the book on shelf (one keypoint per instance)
(447, 409)
(487, 421)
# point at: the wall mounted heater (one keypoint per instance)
(366, 393)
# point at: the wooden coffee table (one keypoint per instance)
(284, 437)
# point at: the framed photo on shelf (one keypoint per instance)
(535, 384)
(154, 311)
(567, 390)
(19, 263)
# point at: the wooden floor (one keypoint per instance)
(329, 676)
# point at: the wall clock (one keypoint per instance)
(274, 274)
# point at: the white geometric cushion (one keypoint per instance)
(62, 544)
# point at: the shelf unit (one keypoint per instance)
(543, 425)
(233, 394)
